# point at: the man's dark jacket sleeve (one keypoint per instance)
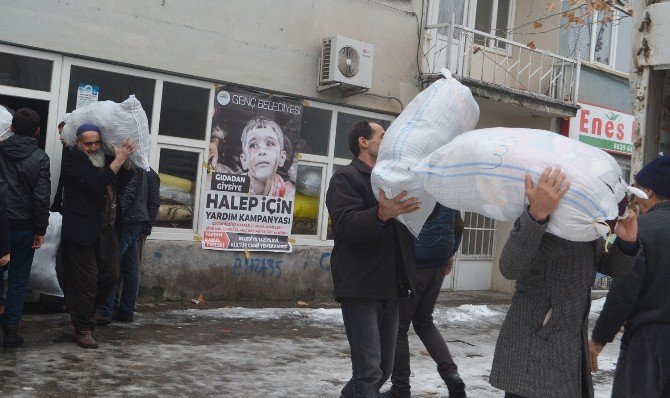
(41, 197)
(354, 221)
(620, 302)
(5, 242)
(153, 200)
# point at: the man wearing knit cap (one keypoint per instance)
(640, 301)
(89, 235)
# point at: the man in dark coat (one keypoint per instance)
(25, 169)
(640, 301)
(372, 262)
(5, 240)
(435, 248)
(133, 214)
(542, 349)
(89, 234)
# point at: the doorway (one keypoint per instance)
(40, 106)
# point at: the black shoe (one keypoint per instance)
(118, 316)
(11, 338)
(101, 320)
(455, 386)
(390, 394)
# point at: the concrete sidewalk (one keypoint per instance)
(244, 350)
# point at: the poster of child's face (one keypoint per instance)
(256, 135)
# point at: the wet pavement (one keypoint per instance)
(243, 350)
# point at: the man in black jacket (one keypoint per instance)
(372, 262)
(640, 301)
(134, 192)
(5, 240)
(89, 233)
(25, 169)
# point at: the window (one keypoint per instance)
(478, 237)
(600, 38)
(307, 200)
(112, 86)
(325, 149)
(494, 17)
(344, 123)
(184, 111)
(25, 72)
(181, 150)
(178, 171)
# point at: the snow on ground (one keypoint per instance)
(244, 352)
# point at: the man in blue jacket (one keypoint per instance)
(435, 248)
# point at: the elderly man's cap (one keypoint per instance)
(88, 127)
(656, 176)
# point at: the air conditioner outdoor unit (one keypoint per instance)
(345, 63)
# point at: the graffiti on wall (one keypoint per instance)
(268, 266)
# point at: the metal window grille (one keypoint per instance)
(479, 237)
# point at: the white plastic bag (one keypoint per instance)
(43, 273)
(5, 123)
(483, 171)
(432, 119)
(117, 121)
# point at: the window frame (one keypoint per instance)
(328, 161)
(471, 17)
(614, 35)
(157, 141)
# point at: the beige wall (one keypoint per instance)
(262, 43)
(498, 282)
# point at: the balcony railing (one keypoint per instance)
(481, 56)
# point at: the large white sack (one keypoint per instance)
(483, 171)
(5, 123)
(117, 121)
(433, 118)
(43, 273)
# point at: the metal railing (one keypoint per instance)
(476, 55)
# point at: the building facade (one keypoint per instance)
(173, 54)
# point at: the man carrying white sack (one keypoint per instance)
(641, 300)
(372, 262)
(89, 234)
(542, 345)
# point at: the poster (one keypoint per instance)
(86, 94)
(252, 167)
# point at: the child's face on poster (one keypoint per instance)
(262, 153)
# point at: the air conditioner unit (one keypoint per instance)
(345, 63)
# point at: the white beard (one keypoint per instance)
(98, 159)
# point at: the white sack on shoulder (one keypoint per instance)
(43, 273)
(433, 118)
(117, 122)
(483, 171)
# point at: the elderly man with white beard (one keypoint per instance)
(89, 236)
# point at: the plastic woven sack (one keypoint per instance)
(117, 121)
(43, 273)
(5, 123)
(483, 171)
(432, 119)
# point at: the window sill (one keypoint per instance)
(605, 68)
